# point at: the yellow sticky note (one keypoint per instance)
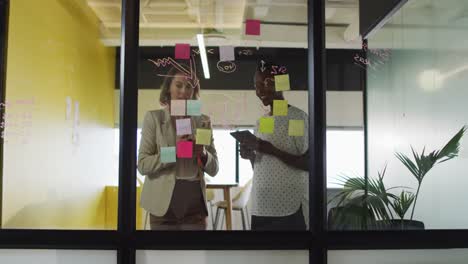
(282, 82)
(267, 125)
(280, 107)
(203, 136)
(296, 128)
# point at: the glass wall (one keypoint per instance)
(451, 256)
(344, 113)
(417, 113)
(59, 167)
(197, 85)
(416, 122)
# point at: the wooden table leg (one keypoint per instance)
(227, 198)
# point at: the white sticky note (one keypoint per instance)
(226, 53)
(183, 127)
(177, 107)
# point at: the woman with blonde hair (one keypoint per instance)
(174, 192)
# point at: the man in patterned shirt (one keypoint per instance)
(279, 161)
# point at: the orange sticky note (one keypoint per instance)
(182, 51)
(267, 125)
(282, 82)
(203, 136)
(280, 107)
(296, 128)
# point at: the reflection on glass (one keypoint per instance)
(212, 48)
(59, 117)
(416, 124)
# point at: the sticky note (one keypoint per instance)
(177, 107)
(282, 82)
(267, 125)
(226, 53)
(193, 107)
(183, 127)
(280, 107)
(252, 27)
(203, 136)
(184, 149)
(296, 128)
(182, 51)
(168, 154)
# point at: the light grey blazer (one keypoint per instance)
(160, 179)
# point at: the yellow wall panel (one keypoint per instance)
(51, 178)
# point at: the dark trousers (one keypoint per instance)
(291, 222)
(187, 210)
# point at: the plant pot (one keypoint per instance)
(397, 225)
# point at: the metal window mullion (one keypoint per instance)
(128, 128)
(317, 128)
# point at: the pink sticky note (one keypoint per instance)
(184, 149)
(182, 51)
(252, 27)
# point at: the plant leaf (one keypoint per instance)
(451, 149)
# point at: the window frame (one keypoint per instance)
(126, 239)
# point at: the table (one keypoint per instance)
(227, 197)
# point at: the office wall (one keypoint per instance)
(53, 178)
(418, 98)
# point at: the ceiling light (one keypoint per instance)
(203, 56)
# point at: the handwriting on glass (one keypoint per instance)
(226, 66)
(381, 56)
(189, 74)
(208, 51)
(245, 52)
(275, 69)
(16, 120)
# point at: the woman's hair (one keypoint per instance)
(165, 95)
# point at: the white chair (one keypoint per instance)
(210, 195)
(239, 203)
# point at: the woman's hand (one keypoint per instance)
(199, 150)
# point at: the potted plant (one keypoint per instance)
(371, 205)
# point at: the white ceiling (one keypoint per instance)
(166, 22)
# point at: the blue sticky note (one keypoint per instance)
(168, 154)
(194, 107)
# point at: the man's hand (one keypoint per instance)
(264, 146)
(247, 151)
